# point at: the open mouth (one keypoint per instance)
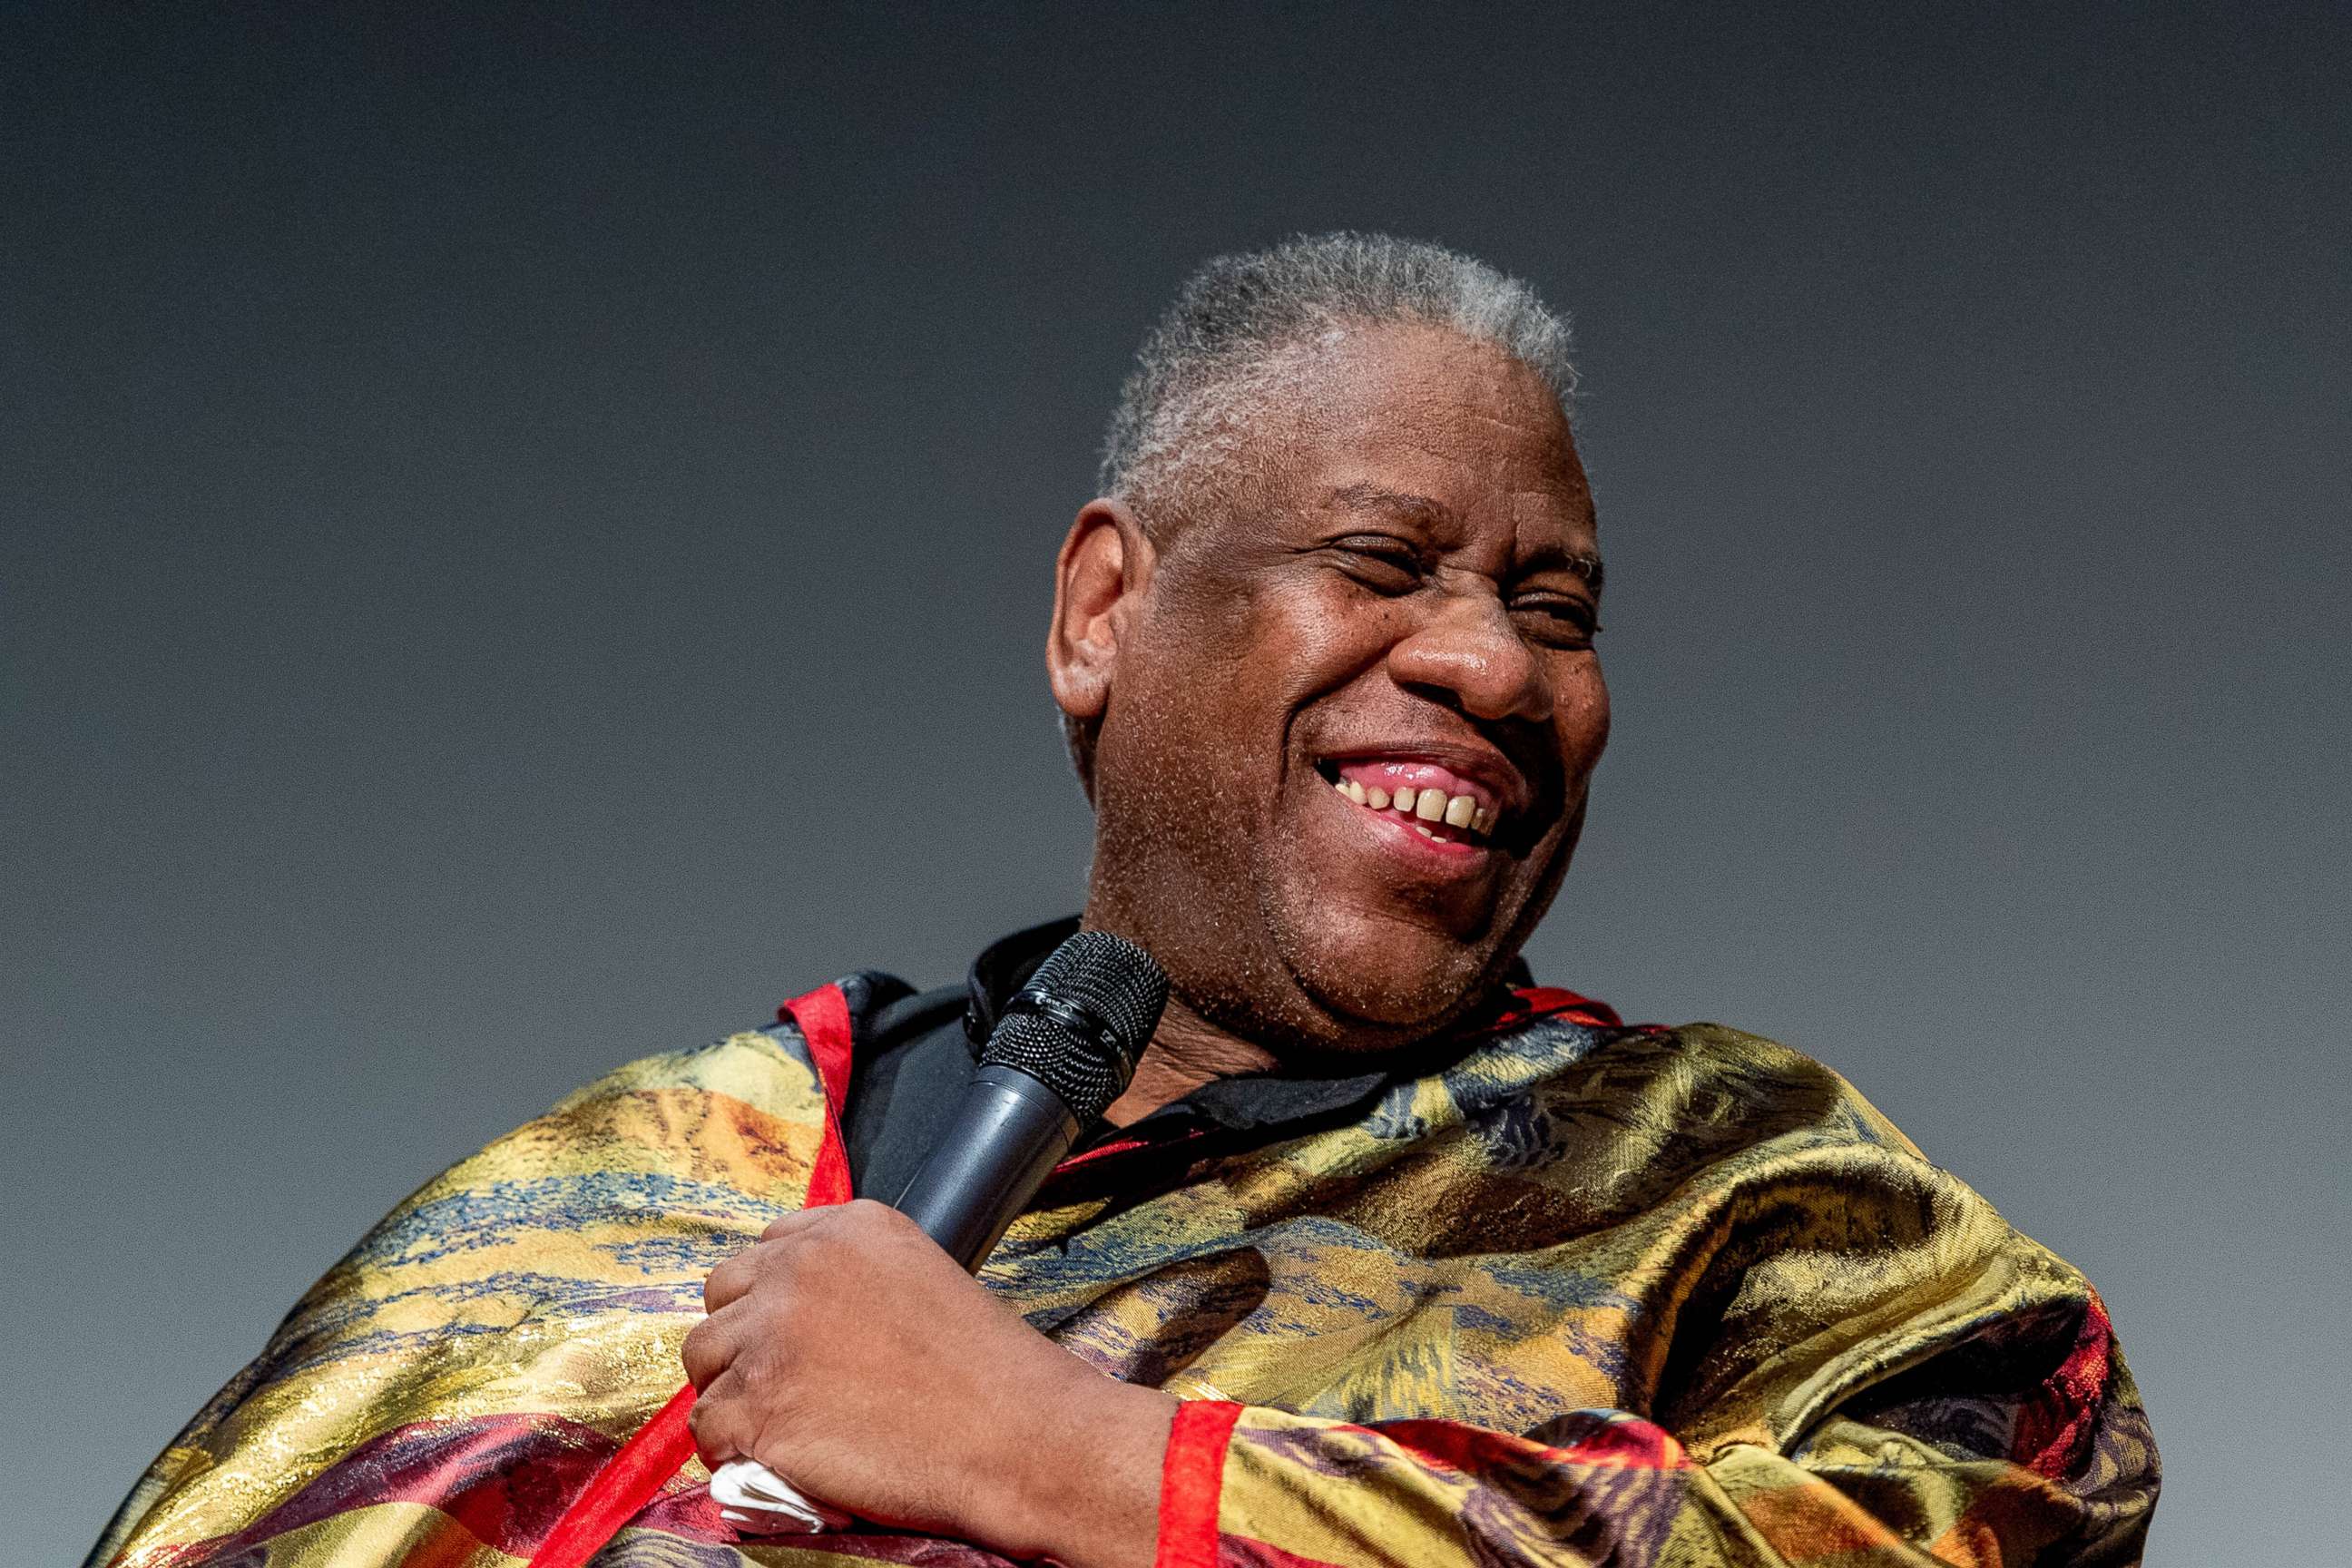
(1438, 805)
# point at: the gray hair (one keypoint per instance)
(1243, 326)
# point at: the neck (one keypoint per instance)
(1186, 1051)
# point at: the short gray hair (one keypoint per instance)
(1235, 331)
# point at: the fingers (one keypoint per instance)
(710, 1345)
(715, 1421)
(862, 1223)
(799, 1219)
(729, 1282)
(756, 1299)
(715, 1341)
(756, 1393)
(726, 1283)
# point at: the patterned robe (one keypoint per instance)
(1589, 1294)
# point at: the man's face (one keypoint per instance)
(1399, 601)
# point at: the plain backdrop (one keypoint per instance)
(527, 540)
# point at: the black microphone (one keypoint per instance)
(1064, 1050)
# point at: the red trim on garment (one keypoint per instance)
(635, 1476)
(2056, 1422)
(1530, 1002)
(823, 1018)
(1085, 1157)
(1193, 1483)
(1104, 1151)
(629, 1479)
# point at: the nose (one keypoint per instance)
(1468, 652)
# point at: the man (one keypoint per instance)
(1384, 1257)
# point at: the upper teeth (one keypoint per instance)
(1425, 805)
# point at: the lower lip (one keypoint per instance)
(1396, 830)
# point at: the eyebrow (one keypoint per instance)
(1364, 496)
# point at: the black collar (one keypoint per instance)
(1245, 1104)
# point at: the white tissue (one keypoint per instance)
(755, 1498)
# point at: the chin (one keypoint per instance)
(1423, 982)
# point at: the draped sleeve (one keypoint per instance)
(1845, 1356)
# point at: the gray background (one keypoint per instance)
(526, 540)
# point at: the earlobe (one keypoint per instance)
(1105, 564)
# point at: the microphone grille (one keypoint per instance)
(1083, 1019)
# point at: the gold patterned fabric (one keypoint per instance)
(1588, 1294)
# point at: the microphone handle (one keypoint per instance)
(1007, 1136)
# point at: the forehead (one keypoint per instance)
(1422, 411)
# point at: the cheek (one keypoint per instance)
(1331, 633)
(1582, 716)
(1254, 657)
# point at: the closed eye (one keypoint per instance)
(1383, 563)
(1557, 620)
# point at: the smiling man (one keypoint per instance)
(1391, 584)
(1387, 1256)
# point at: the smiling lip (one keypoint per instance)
(1420, 805)
(1482, 775)
(1456, 848)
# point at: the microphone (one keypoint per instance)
(1064, 1050)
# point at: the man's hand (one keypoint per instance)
(850, 1355)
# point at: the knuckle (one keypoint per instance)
(727, 1281)
(871, 1215)
(716, 1427)
(767, 1368)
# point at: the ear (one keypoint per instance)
(1100, 579)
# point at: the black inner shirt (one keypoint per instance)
(913, 1053)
